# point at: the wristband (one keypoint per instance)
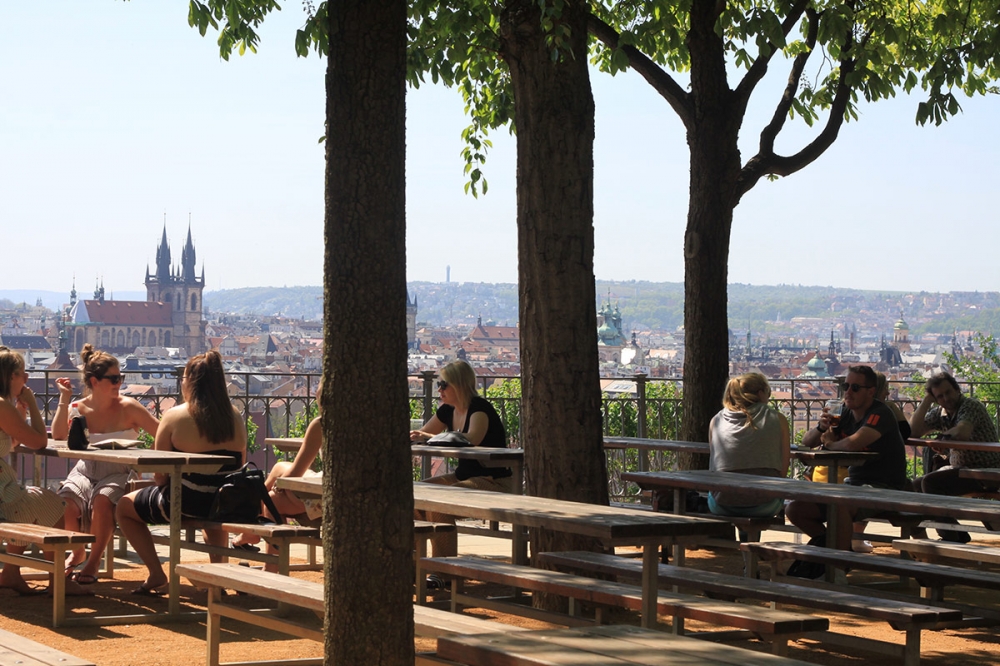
(64, 404)
(821, 429)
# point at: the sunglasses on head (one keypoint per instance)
(442, 385)
(855, 387)
(114, 379)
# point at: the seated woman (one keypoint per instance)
(205, 423)
(289, 505)
(464, 411)
(750, 437)
(92, 489)
(23, 504)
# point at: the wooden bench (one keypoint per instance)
(423, 532)
(610, 645)
(934, 551)
(16, 649)
(48, 540)
(280, 536)
(932, 578)
(430, 622)
(772, 625)
(905, 616)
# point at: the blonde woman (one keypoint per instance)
(750, 437)
(463, 410)
(22, 504)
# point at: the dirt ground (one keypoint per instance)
(184, 643)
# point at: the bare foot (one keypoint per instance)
(245, 540)
(20, 586)
(74, 589)
(75, 559)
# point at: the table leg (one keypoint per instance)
(832, 471)
(518, 481)
(519, 545)
(650, 566)
(174, 607)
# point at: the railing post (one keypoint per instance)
(640, 390)
(428, 378)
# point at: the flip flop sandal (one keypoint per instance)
(84, 578)
(143, 591)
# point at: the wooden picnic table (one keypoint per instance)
(284, 444)
(487, 456)
(173, 463)
(990, 475)
(957, 444)
(813, 457)
(613, 526)
(606, 645)
(834, 495)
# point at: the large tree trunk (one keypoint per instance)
(368, 491)
(715, 166)
(561, 401)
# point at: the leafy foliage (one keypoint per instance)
(982, 369)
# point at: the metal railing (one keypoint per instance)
(652, 410)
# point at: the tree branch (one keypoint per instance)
(767, 163)
(759, 68)
(771, 130)
(663, 83)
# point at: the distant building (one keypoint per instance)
(171, 315)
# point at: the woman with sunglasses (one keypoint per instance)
(21, 422)
(463, 410)
(92, 489)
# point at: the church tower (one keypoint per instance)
(180, 288)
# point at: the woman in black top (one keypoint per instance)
(463, 410)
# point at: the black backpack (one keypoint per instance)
(238, 499)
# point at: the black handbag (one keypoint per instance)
(239, 497)
(449, 438)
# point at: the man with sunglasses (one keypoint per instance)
(959, 418)
(866, 424)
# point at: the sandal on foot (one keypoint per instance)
(143, 591)
(84, 578)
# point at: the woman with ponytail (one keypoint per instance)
(92, 489)
(750, 437)
(205, 423)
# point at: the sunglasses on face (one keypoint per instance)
(442, 385)
(855, 387)
(114, 379)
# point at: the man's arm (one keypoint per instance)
(859, 441)
(918, 423)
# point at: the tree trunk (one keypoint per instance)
(561, 401)
(715, 167)
(368, 495)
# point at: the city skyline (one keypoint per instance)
(144, 120)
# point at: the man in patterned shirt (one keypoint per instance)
(957, 418)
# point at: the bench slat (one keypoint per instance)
(609, 593)
(959, 551)
(895, 612)
(15, 649)
(42, 536)
(616, 645)
(259, 583)
(928, 574)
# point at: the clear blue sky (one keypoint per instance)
(115, 113)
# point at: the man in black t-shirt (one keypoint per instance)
(865, 425)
